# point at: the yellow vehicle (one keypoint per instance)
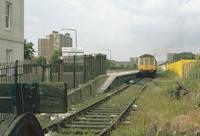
(147, 65)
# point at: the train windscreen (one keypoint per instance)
(151, 62)
(146, 61)
(141, 61)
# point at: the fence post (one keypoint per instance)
(47, 73)
(100, 70)
(189, 71)
(61, 70)
(66, 98)
(16, 70)
(84, 73)
(74, 71)
(184, 70)
(58, 70)
(198, 70)
(195, 71)
(43, 70)
(92, 66)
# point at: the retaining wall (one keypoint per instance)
(119, 80)
(81, 93)
(85, 91)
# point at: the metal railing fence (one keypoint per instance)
(191, 70)
(72, 69)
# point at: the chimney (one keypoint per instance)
(67, 34)
(55, 32)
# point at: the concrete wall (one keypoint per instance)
(12, 38)
(89, 89)
(85, 91)
(57, 89)
(163, 67)
(119, 80)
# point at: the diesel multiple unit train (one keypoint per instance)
(147, 65)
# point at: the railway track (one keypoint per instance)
(101, 117)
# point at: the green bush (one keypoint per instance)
(168, 74)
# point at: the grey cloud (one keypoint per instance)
(128, 27)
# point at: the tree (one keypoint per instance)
(135, 66)
(28, 50)
(121, 66)
(56, 54)
(110, 63)
(41, 60)
(128, 66)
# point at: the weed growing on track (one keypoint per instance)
(93, 99)
(155, 107)
(168, 74)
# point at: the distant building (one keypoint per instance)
(134, 60)
(55, 41)
(11, 30)
(170, 57)
(43, 47)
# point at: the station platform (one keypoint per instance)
(111, 77)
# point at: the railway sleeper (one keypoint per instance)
(95, 120)
(105, 114)
(99, 117)
(88, 126)
(79, 131)
(117, 104)
(85, 127)
(92, 123)
(107, 111)
(105, 108)
(110, 107)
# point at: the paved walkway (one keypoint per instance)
(111, 78)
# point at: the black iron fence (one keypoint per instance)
(80, 69)
(72, 69)
(19, 71)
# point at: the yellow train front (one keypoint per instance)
(147, 66)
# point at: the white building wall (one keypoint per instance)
(12, 38)
(163, 67)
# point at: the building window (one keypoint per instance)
(8, 15)
(9, 55)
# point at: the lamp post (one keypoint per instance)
(75, 33)
(110, 52)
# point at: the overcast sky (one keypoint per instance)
(129, 28)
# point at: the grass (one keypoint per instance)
(93, 99)
(45, 120)
(155, 107)
(168, 74)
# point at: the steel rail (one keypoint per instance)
(71, 117)
(122, 115)
(57, 125)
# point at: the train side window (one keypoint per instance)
(151, 62)
(142, 62)
(146, 61)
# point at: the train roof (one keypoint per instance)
(147, 55)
